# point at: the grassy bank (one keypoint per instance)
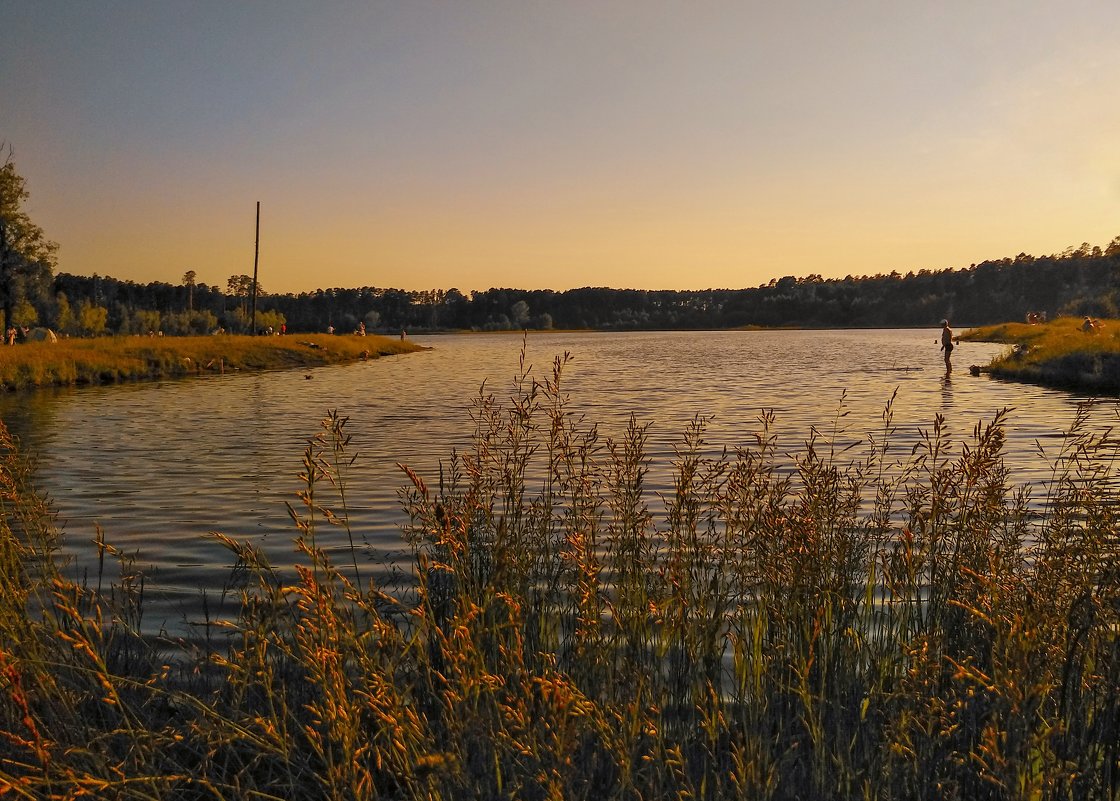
(1057, 354)
(872, 626)
(133, 358)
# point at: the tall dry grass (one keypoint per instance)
(105, 360)
(1058, 353)
(872, 625)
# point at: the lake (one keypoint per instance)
(159, 465)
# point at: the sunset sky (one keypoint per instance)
(642, 144)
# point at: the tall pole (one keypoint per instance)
(256, 255)
(5, 277)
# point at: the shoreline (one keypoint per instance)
(115, 360)
(1056, 354)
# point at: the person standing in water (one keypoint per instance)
(947, 344)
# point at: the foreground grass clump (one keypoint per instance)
(878, 626)
(1057, 353)
(131, 358)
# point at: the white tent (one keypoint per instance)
(41, 335)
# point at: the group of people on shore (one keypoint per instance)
(15, 335)
(361, 330)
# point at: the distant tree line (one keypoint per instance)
(1078, 281)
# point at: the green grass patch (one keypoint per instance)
(1057, 354)
(135, 358)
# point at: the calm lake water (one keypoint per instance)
(159, 465)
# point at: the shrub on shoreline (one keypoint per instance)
(876, 626)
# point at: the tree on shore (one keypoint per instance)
(92, 318)
(65, 322)
(27, 257)
(241, 287)
(189, 282)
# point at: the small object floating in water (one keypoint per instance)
(976, 369)
(308, 377)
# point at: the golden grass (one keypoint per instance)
(132, 358)
(884, 625)
(1057, 353)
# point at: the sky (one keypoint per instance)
(627, 143)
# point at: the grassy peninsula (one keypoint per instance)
(104, 360)
(1057, 353)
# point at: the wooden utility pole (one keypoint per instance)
(5, 277)
(256, 255)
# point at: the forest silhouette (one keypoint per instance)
(1079, 281)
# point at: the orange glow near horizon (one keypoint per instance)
(496, 144)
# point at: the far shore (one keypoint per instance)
(109, 360)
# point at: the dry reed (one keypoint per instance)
(106, 360)
(872, 625)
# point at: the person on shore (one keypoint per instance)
(947, 345)
(1089, 327)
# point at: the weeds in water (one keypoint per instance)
(865, 626)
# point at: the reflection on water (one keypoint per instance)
(160, 465)
(946, 393)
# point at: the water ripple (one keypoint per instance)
(161, 465)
